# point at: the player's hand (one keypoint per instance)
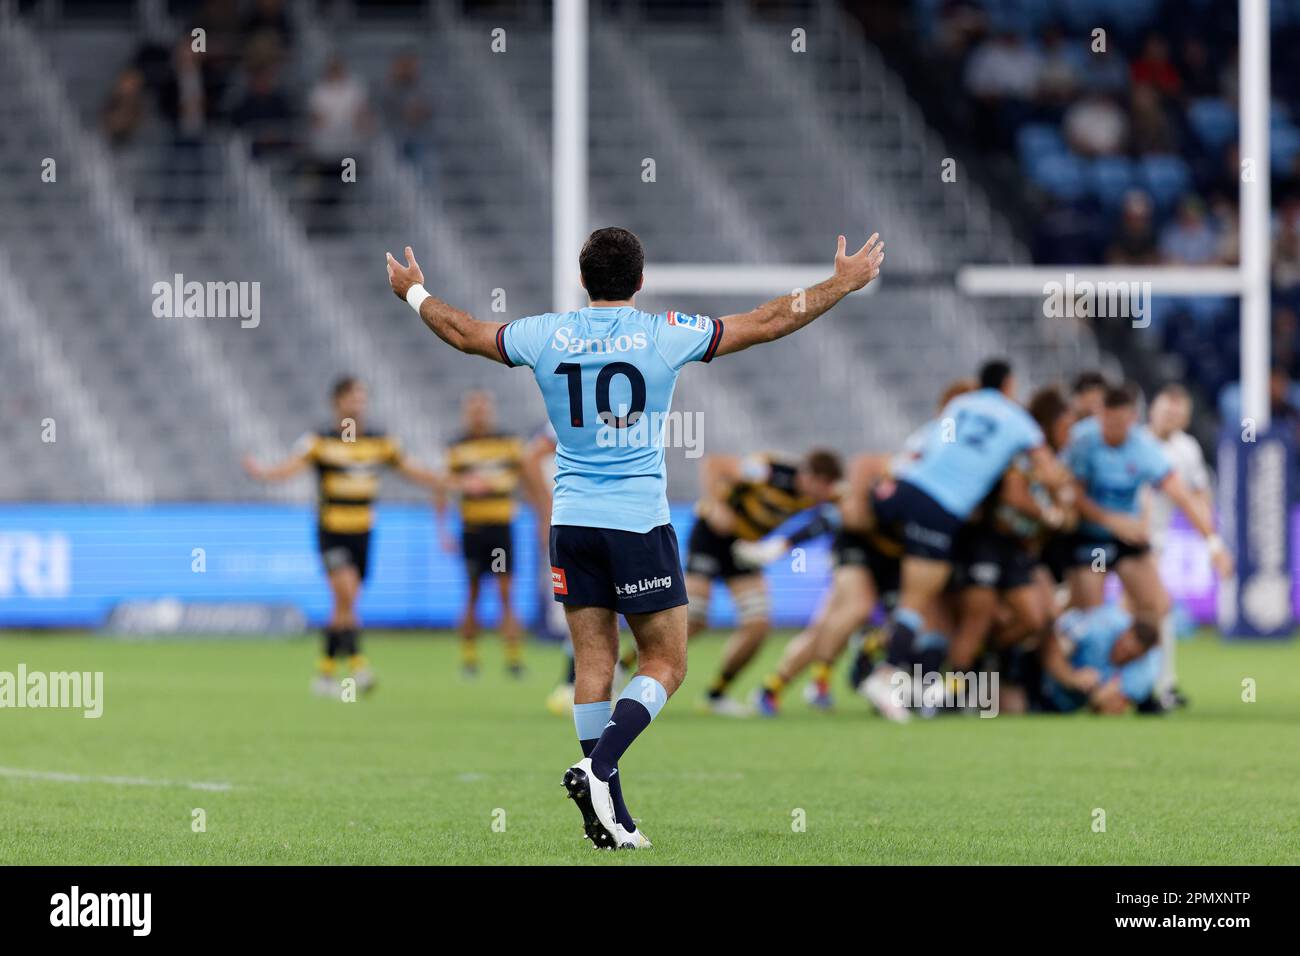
(1086, 679)
(1223, 563)
(251, 466)
(861, 267)
(402, 277)
(757, 554)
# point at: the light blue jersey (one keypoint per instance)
(977, 436)
(1090, 636)
(1112, 475)
(607, 376)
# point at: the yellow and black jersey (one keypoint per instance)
(765, 497)
(496, 459)
(348, 468)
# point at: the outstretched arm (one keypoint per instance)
(778, 318)
(458, 329)
(278, 472)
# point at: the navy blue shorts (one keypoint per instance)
(627, 571)
(908, 514)
(1084, 546)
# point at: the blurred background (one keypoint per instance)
(723, 132)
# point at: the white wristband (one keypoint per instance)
(415, 296)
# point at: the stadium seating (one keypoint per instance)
(833, 145)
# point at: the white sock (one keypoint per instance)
(1168, 642)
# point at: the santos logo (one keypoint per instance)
(643, 586)
(103, 909)
(565, 341)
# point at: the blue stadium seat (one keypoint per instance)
(1167, 178)
(1284, 144)
(1062, 175)
(1110, 177)
(1035, 140)
(1214, 121)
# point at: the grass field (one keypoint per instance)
(420, 771)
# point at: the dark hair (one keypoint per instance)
(1046, 407)
(1121, 396)
(611, 262)
(994, 373)
(1086, 381)
(824, 464)
(1176, 391)
(344, 385)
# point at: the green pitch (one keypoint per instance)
(434, 769)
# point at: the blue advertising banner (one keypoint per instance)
(70, 565)
(1255, 523)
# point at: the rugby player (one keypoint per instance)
(1170, 414)
(485, 467)
(606, 373)
(745, 501)
(1099, 658)
(1113, 459)
(348, 457)
(980, 434)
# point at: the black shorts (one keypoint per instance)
(987, 558)
(1055, 555)
(486, 548)
(709, 553)
(908, 514)
(1084, 546)
(850, 550)
(630, 572)
(341, 550)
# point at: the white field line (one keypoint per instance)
(17, 773)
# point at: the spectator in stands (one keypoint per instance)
(1191, 239)
(407, 106)
(340, 116)
(1286, 339)
(1059, 74)
(1223, 209)
(186, 95)
(1286, 248)
(1152, 131)
(1154, 68)
(340, 121)
(1096, 126)
(1279, 397)
(264, 113)
(222, 44)
(1003, 68)
(1135, 245)
(268, 19)
(126, 108)
(1200, 78)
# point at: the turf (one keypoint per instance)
(436, 769)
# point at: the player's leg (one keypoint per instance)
(750, 598)
(1090, 559)
(345, 585)
(469, 627)
(502, 556)
(657, 616)
(1143, 587)
(511, 632)
(699, 590)
(923, 581)
(594, 633)
(846, 607)
(977, 608)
